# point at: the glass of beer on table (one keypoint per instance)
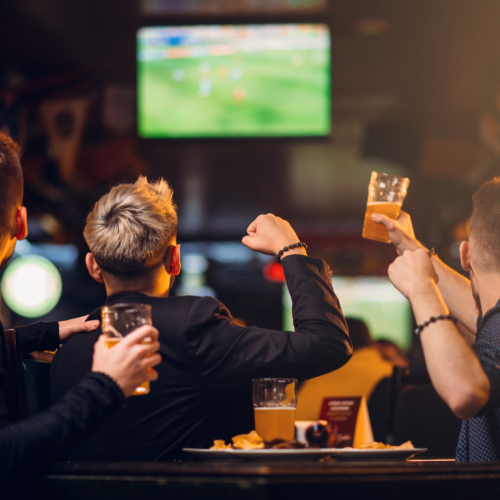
(386, 194)
(274, 403)
(121, 319)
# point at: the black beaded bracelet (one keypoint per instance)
(433, 319)
(289, 247)
(432, 253)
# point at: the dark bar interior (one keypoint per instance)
(377, 337)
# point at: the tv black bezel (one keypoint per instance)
(160, 21)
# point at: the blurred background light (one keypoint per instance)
(64, 255)
(31, 286)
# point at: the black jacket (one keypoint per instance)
(208, 362)
(29, 446)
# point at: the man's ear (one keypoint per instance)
(93, 268)
(465, 256)
(21, 227)
(174, 260)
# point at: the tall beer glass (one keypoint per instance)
(121, 319)
(274, 403)
(386, 194)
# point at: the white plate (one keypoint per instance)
(306, 453)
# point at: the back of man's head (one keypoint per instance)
(485, 226)
(130, 228)
(359, 333)
(11, 182)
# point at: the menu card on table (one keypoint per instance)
(349, 420)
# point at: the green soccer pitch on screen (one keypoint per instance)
(372, 299)
(233, 81)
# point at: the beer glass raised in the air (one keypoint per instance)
(121, 319)
(274, 403)
(386, 194)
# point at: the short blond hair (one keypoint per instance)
(130, 228)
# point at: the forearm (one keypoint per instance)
(41, 336)
(457, 293)
(28, 446)
(454, 369)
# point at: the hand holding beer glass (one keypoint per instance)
(120, 320)
(386, 194)
(274, 402)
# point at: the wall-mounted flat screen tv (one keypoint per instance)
(233, 81)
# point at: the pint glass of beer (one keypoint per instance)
(386, 194)
(121, 319)
(274, 403)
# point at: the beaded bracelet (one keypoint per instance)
(289, 247)
(432, 253)
(433, 319)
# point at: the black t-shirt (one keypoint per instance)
(208, 362)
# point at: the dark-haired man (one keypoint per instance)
(204, 388)
(28, 446)
(462, 350)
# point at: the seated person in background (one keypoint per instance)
(467, 378)
(27, 447)
(358, 377)
(391, 352)
(208, 361)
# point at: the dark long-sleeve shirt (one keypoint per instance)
(208, 362)
(27, 447)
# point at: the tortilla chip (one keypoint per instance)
(381, 446)
(220, 444)
(248, 441)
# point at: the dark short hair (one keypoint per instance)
(11, 180)
(485, 225)
(359, 333)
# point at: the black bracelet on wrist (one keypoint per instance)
(289, 247)
(433, 319)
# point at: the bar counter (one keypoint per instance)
(249, 480)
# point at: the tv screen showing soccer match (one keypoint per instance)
(233, 81)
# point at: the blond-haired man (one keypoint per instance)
(203, 391)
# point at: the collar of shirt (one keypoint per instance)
(481, 320)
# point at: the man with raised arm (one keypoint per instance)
(28, 446)
(459, 320)
(204, 389)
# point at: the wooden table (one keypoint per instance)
(241, 480)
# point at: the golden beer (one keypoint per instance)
(144, 387)
(374, 231)
(275, 423)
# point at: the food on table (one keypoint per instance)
(281, 444)
(381, 446)
(220, 444)
(248, 441)
(253, 441)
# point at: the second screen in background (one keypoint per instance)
(374, 300)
